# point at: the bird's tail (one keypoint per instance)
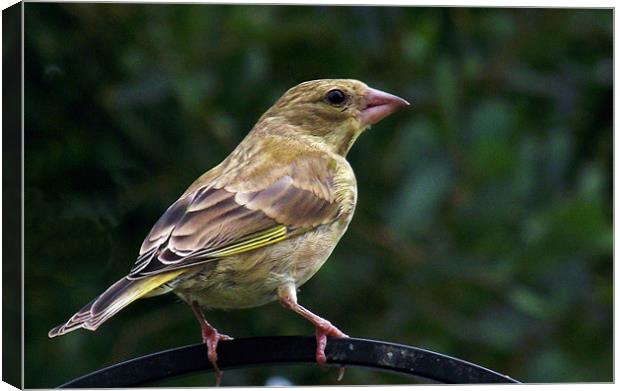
(114, 299)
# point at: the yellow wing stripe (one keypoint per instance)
(253, 242)
(251, 246)
(263, 239)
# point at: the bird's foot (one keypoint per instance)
(288, 298)
(211, 337)
(325, 329)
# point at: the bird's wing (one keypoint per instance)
(216, 220)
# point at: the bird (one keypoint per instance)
(261, 223)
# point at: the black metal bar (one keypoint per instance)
(244, 352)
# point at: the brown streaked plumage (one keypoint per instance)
(262, 222)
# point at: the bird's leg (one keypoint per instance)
(288, 298)
(211, 337)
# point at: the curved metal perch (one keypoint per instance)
(245, 352)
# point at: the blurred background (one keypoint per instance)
(484, 223)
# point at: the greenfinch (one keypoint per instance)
(257, 226)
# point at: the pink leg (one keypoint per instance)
(323, 327)
(210, 337)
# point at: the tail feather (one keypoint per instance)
(114, 299)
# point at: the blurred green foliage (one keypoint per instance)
(484, 222)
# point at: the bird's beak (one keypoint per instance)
(379, 104)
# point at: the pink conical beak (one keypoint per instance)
(379, 105)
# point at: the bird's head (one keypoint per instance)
(333, 111)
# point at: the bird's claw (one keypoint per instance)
(340, 372)
(322, 332)
(211, 338)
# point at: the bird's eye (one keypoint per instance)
(335, 97)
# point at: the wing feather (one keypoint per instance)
(214, 221)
